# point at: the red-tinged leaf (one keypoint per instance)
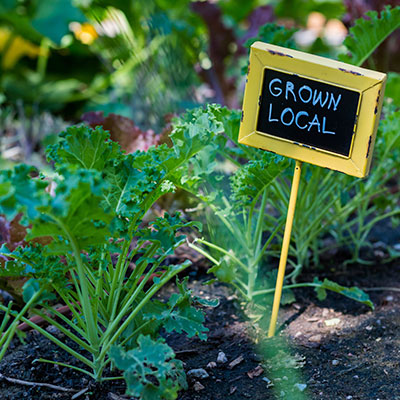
(122, 130)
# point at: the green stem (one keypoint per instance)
(268, 241)
(54, 339)
(293, 286)
(43, 57)
(90, 318)
(203, 252)
(239, 289)
(9, 333)
(6, 317)
(112, 378)
(124, 310)
(116, 273)
(65, 331)
(376, 289)
(223, 251)
(253, 271)
(258, 234)
(64, 365)
(154, 289)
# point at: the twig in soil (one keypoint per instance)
(27, 383)
(345, 371)
(189, 351)
(79, 394)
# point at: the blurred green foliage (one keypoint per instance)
(142, 59)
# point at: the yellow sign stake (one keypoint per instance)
(285, 248)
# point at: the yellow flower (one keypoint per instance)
(16, 47)
(85, 33)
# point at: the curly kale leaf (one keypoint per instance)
(19, 193)
(165, 231)
(74, 212)
(151, 371)
(84, 147)
(136, 180)
(181, 316)
(275, 34)
(367, 34)
(250, 180)
(31, 261)
(128, 190)
(192, 132)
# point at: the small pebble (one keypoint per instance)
(211, 365)
(335, 362)
(221, 358)
(198, 386)
(315, 338)
(269, 382)
(332, 322)
(199, 373)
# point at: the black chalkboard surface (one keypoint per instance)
(307, 112)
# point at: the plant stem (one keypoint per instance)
(64, 365)
(292, 286)
(54, 340)
(9, 333)
(226, 252)
(107, 343)
(203, 252)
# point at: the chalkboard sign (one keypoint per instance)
(306, 111)
(311, 108)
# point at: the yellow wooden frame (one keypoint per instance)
(370, 85)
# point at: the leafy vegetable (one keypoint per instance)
(275, 34)
(367, 34)
(182, 316)
(91, 222)
(353, 293)
(250, 181)
(150, 370)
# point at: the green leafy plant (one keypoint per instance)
(347, 209)
(99, 258)
(368, 33)
(251, 211)
(244, 220)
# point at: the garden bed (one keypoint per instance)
(337, 348)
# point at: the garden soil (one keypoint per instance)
(331, 349)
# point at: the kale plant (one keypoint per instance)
(243, 221)
(88, 247)
(252, 213)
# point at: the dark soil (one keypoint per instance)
(334, 349)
